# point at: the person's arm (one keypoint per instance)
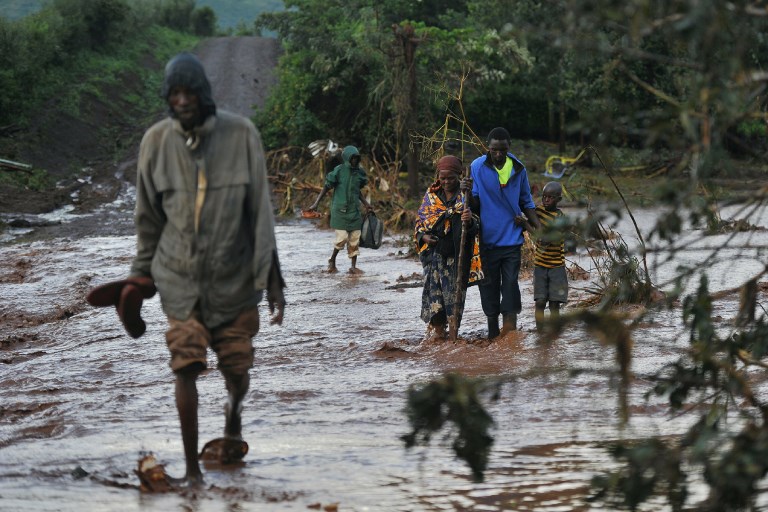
(265, 265)
(363, 177)
(421, 234)
(532, 219)
(471, 220)
(275, 296)
(522, 220)
(368, 207)
(313, 206)
(331, 181)
(468, 187)
(570, 236)
(527, 205)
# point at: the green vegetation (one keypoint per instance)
(72, 60)
(671, 94)
(377, 73)
(35, 179)
(73, 47)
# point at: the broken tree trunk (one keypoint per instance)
(15, 166)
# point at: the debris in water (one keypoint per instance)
(310, 214)
(224, 451)
(389, 349)
(79, 473)
(402, 286)
(331, 507)
(152, 475)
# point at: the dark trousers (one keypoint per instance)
(499, 291)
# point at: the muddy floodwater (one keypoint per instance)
(80, 400)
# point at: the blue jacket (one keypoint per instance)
(499, 205)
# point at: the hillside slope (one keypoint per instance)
(80, 152)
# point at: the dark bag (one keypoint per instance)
(372, 231)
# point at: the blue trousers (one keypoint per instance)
(499, 291)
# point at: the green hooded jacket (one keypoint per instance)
(346, 183)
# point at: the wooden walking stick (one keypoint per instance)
(461, 290)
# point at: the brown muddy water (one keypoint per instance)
(80, 401)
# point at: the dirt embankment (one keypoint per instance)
(80, 152)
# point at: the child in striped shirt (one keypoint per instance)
(550, 280)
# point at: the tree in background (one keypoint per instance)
(37, 51)
(370, 73)
(203, 21)
(175, 14)
(92, 24)
(684, 78)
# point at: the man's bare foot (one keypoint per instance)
(355, 271)
(191, 482)
(153, 478)
(332, 268)
(189, 485)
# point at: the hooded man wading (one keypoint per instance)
(205, 229)
(347, 181)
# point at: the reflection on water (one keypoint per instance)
(79, 399)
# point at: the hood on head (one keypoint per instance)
(186, 70)
(348, 153)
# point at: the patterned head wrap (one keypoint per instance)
(450, 163)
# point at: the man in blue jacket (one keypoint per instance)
(500, 192)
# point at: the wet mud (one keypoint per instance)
(81, 402)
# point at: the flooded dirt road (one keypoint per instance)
(80, 400)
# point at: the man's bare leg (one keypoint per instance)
(353, 266)
(237, 386)
(332, 262)
(186, 403)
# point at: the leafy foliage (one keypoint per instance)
(47, 53)
(352, 66)
(452, 400)
(714, 372)
(203, 21)
(652, 466)
(683, 77)
(36, 179)
(92, 25)
(175, 14)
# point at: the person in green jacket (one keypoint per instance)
(347, 181)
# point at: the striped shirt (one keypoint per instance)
(550, 253)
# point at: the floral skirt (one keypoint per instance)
(439, 294)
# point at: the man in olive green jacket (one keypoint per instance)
(347, 181)
(205, 229)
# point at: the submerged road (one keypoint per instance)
(80, 401)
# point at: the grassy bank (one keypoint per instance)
(91, 112)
